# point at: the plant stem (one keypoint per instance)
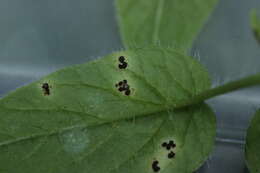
(226, 88)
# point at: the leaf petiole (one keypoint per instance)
(220, 90)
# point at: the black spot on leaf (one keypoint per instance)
(127, 92)
(171, 155)
(121, 59)
(46, 89)
(123, 87)
(122, 64)
(120, 89)
(156, 169)
(169, 145)
(155, 166)
(155, 162)
(174, 145)
(164, 144)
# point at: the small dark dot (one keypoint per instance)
(155, 162)
(164, 144)
(171, 155)
(123, 65)
(120, 83)
(168, 147)
(46, 88)
(156, 169)
(121, 89)
(155, 166)
(121, 59)
(128, 92)
(172, 144)
(125, 81)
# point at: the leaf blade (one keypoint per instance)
(167, 22)
(87, 124)
(255, 24)
(252, 153)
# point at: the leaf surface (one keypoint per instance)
(252, 152)
(167, 22)
(86, 124)
(255, 24)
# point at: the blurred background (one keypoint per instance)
(39, 37)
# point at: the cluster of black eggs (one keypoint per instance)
(171, 154)
(168, 146)
(123, 87)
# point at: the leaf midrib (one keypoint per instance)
(158, 16)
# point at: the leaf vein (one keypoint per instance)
(158, 17)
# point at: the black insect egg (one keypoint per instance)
(168, 147)
(120, 89)
(171, 155)
(121, 59)
(122, 63)
(120, 83)
(155, 166)
(45, 86)
(128, 92)
(164, 144)
(46, 89)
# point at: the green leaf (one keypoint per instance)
(86, 125)
(255, 24)
(169, 22)
(252, 152)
